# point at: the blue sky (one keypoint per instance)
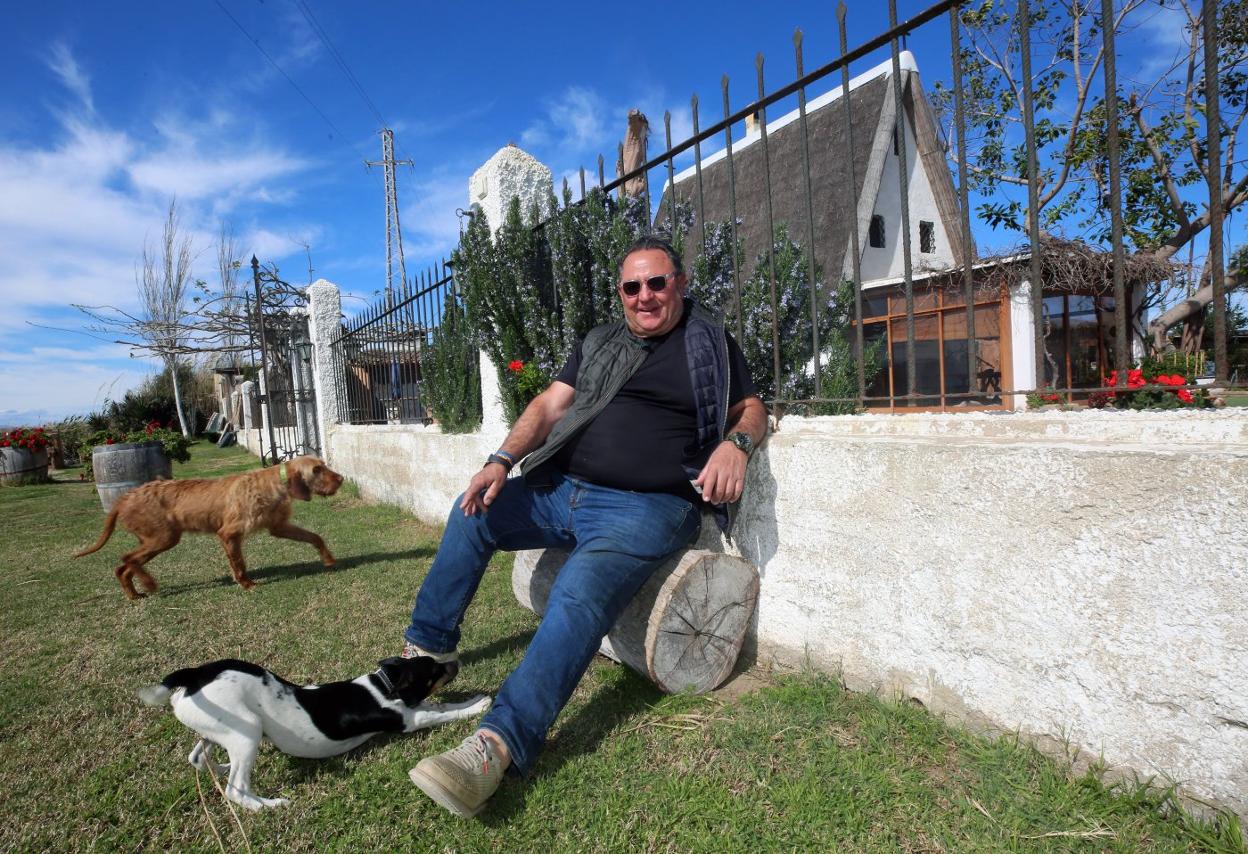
(111, 109)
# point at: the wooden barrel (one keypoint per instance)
(121, 467)
(685, 627)
(18, 466)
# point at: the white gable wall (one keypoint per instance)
(887, 262)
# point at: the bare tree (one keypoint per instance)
(164, 280)
(228, 265)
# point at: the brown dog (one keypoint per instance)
(231, 507)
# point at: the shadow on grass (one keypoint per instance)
(579, 735)
(298, 570)
(502, 646)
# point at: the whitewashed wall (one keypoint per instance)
(1078, 576)
(889, 261)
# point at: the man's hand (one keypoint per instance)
(723, 477)
(530, 430)
(482, 489)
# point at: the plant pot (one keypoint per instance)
(121, 467)
(19, 466)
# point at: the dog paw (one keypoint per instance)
(481, 705)
(247, 802)
(275, 802)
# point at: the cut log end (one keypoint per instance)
(683, 630)
(695, 638)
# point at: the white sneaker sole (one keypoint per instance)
(441, 795)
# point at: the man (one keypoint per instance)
(651, 420)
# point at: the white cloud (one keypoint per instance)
(189, 175)
(430, 226)
(63, 388)
(78, 208)
(64, 66)
(579, 124)
(574, 122)
(1165, 38)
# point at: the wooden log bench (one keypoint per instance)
(684, 628)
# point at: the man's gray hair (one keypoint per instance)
(650, 242)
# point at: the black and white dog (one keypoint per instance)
(235, 703)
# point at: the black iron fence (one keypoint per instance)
(941, 332)
(378, 354)
(926, 322)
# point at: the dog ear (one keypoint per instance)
(296, 485)
(400, 671)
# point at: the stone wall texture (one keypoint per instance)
(1081, 578)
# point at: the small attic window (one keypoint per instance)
(927, 237)
(875, 234)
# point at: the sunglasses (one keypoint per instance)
(655, 283)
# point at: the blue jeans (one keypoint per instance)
(617, 539)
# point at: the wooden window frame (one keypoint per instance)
(896, 310)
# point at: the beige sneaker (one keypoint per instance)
(462, 779)
(410, 650)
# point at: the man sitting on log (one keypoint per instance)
(651, 420)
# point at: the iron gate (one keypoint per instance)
(280, 337)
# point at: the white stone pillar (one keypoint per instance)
(1023, 341)
(324, 325)
(248, 392)
(510, 173)
(493, 424)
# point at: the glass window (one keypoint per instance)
(875, 303)
(927, 236)
(940, 349)
(876, 234)
(877, 386)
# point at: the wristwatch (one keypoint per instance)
(742, 441)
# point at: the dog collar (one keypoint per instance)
(282, 474)
(385, 681)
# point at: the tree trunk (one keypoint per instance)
(177, 397)
(685, 627)
(1192, 308)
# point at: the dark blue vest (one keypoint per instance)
(610, 354)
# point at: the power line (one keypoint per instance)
(340, 135)
(310, 17)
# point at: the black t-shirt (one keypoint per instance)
(642, 439)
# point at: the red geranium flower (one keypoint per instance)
(515, 366)
(1185, 395)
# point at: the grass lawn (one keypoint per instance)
(798, 764)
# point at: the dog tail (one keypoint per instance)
(109, 524)
(155, 695)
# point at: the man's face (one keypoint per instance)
(652, 313)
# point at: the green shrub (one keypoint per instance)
(714, 287)
(530, 292)
(452, 381)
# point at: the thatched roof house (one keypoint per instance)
(835, 181)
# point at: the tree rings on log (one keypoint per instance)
(685, 627)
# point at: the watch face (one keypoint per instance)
(742, 441)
